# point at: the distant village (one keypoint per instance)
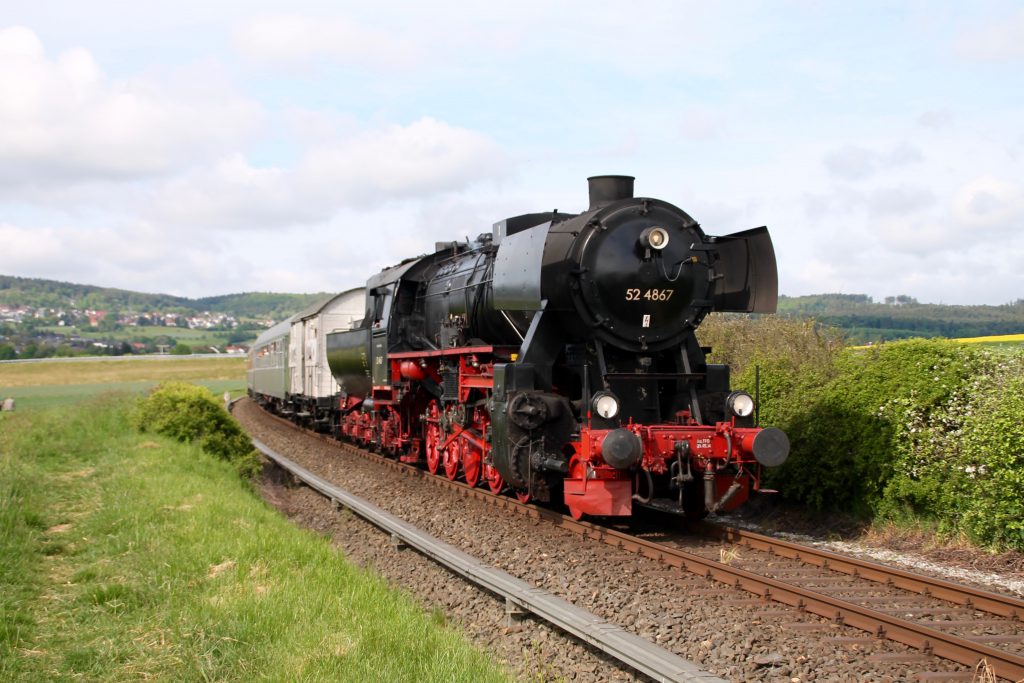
(29, 332)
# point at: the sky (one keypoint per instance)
(209, 147)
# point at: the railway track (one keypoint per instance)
(939, 618)
(637, 653)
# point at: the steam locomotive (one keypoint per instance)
(553, 356)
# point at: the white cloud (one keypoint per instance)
(922, 235)
(391, 35)
(937, 118)
(899, 201)
(233, 194)
(881, 201)
(137, 256)
(37, 252)
(859, 163)
(84, 255)
(388, 164)
(812, 274)
(990, 204)
(1000, 40)
(381, 127)
(63, 121)
(702, 123)
(293, 39)
(425, 157)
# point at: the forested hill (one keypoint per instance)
(900, 317)
(859, 315)
(51, 294)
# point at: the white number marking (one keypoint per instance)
(655, 294)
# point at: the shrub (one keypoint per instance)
(963, 465)
(741, 342)
(187, 412)
(993, 460)
(847, 435)
(796, 360)
(915, 430)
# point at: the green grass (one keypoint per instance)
(89, 371)
(53, 395)
(127, 556)
(186, 335)
(59, 383)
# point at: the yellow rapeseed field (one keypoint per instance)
(997, 339)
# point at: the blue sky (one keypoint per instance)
(214, 147)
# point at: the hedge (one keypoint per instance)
(918, 430)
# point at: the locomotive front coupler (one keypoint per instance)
(677, 474)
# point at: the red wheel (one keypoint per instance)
(494, 481)
(432, 439)
(523, 496)
(577, 470)
(471, 461)
(450, 458)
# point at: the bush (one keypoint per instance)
(848, 433)
(187, 412)
(181, 349)
(796, 360)
(963, 465)
(915, 430)
(741, 342)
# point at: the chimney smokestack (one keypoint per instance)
(605, 189)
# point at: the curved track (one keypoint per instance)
(956, 622)
(637, 653)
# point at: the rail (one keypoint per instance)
(958, 594)
(880, 624)
(628, 648)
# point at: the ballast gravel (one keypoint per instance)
(724, 631)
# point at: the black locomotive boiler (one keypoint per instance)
(556, 356)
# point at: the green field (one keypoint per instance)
(128, 556)
(53, 383)
(192, 337)
(54, 395)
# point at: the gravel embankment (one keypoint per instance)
(722, 631)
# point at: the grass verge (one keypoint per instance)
(127, 556)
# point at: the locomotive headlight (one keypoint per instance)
(740, 403)
(605, 404)
(654, 238)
